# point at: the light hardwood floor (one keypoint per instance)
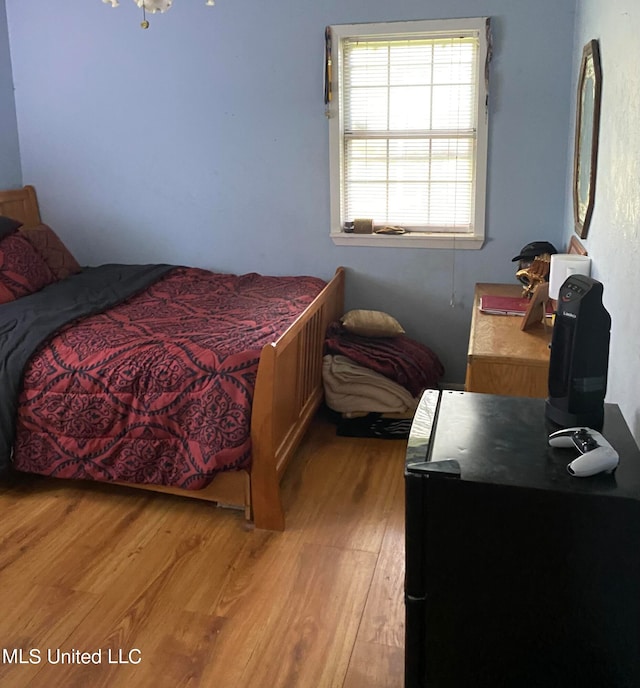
(197, 598)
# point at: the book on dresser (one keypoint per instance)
(495, 304)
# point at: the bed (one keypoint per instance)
(284, 386)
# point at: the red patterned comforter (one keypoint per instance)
(157, 389)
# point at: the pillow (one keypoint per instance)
(8, 226)
(22, 269)
(371, 324)
(49, 245)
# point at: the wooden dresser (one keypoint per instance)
(502, 359)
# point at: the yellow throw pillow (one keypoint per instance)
(371, 324)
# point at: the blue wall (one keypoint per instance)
(203, 141)
(613, 241)
(10, 175)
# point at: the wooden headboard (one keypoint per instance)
(21, 204)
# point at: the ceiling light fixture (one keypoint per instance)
(151, 6)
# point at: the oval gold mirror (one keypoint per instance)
(585, 156)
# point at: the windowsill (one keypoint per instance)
(409, 240)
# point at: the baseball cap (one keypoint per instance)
(535, 248)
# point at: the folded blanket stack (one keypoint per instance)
(376, 374)
(353, 389)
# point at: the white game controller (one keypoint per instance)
(598, 456)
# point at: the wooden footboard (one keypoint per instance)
(288, 393)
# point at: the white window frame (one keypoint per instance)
(410, 29)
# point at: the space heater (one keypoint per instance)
(579, 355)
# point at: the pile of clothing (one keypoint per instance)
(371, 367)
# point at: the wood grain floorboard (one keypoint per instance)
(375, 666)
(344, 496)
(317, 617)
(37, 618)
(383, 617)
(199, 597)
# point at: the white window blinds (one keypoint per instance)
(409, 121)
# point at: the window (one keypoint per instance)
(408, 131)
